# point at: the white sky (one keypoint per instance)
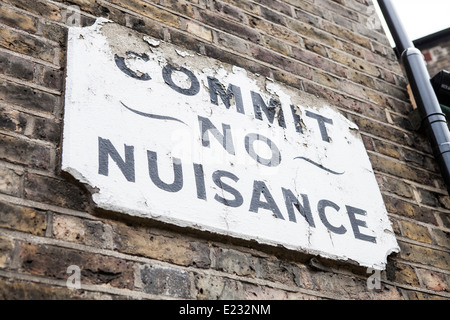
(423, 17)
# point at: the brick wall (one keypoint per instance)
(323, 47)
(437, 57)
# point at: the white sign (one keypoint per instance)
(163, 133)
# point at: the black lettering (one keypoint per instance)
(217, 178)
(120, 63)
(167, 76)
(106, 150)
(270, 111)
(177, 183)
(249, 140)
(297, 120)
(305, 210)
(260, 188)
(321, 121)
(216, 88)
(321, 208)
(224, 138)
(200, 181)
(356, 223)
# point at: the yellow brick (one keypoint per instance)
(416, 232)
(148, 10)
(199, 31)
(6, 245)
(16, 20)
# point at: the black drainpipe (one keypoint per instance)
(433, 120)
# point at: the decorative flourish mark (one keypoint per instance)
(153, 116)
(320, 166)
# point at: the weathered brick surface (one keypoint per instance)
(26, 44)
(27, 97)
(13, 149)
(53, 262)
(23, 219)
(425, 255)
(6, 247)
(88, 232)
(165, 248)
(164, 281)
(16, 67)
(216, 288)
(10, 182)
(55, 191)
(323, 47)
(25, 290)
(435, 281)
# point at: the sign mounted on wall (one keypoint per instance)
(163, 133)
